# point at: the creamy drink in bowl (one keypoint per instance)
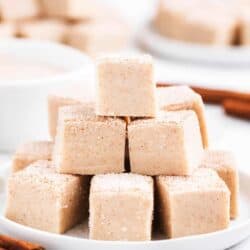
(19, 68)
(29, 71)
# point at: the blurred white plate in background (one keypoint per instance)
(238, 230)
(193, 52)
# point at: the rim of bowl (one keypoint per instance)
(85, 63)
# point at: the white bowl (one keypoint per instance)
(23, 103)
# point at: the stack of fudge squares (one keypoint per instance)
(138, 153)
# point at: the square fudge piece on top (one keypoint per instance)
(196, 204)
(224, 164)
(87, 144)
(183, 98)
(121, 207)
(49, 29)
(168, 145)
(126, 86)
(19, 9)
(40, 198)
(30, 152)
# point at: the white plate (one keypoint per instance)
(193, 52)
(74, 239)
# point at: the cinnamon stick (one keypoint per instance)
(9, 243)
(237, 108)
(214, 95)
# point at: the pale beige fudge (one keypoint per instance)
(126, 86)
(196, 22)
(30, 152)
(73, 9)
(183, 98)
(245, 32)
(245, 29)
(121, 207)
(224, 164)
(192, 205)
(168, 145)
(7, 29)
(66, 96)
(243, 8)
(168, 17)
(213, 27)
(40, 198)
(47, 29)
(19, 9)
(87, 144)
(95, 38)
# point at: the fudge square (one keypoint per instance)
(49, 29)
(183, 98)
(168, 145)
(19, 9)
(223, 162)
(204, 22)
(39, 197)
(218, 29)
(245, 29)
(121, 207)
(126, 86)
(87, 144)
(189, 205)
(98, 37)
(30, 152)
